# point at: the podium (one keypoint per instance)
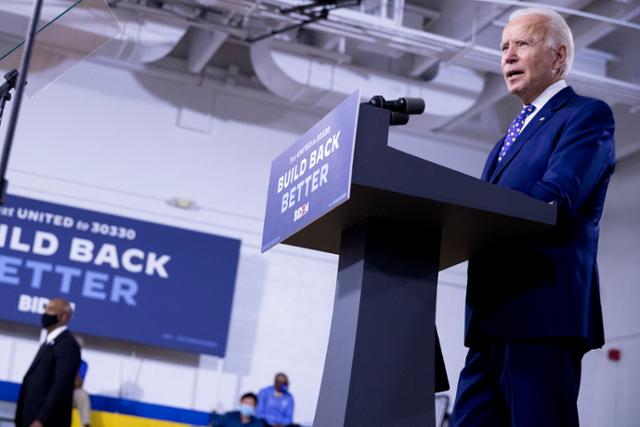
(405, 220)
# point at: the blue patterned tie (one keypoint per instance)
(515, 129)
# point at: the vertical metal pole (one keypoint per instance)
(22, 78)
(383, 9)
(398, 12)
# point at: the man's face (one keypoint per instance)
(56, 307)
(248, 406)
(281, 381)
(529, 65)
(53, 307)
(248, 401)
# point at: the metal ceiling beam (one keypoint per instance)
(568, 11)
(586, 32)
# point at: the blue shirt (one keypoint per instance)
(82, 370)
(275, 409)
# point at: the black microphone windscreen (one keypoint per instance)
(414, 105)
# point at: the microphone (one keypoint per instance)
(401, 105)
(400, 108)
(11, 78)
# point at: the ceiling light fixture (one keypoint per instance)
(182, 203)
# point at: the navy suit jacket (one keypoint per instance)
(47, 388)
(547, 286)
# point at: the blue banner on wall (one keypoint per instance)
(127, 279)
(313, 175)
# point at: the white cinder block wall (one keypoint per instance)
(112, 140)
(611, 390)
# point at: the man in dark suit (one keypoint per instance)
(47, 388)
(533, 307)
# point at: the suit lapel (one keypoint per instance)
(536, 123)
(41, 351)
(45, 347)
(490, 165)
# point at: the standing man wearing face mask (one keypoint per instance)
(47, 388)
(275, 403)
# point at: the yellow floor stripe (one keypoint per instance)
(109, 419)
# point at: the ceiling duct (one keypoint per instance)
(309, 81)
(143, 39)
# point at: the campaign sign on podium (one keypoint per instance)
(313, 175)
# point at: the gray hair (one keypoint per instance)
(559, 32)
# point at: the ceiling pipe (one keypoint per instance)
(358, 26)
(143, 40)
(568, 11)
(304, 80)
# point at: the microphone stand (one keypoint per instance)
(5, 90)
(21, 81)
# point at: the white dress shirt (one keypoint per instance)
(544, 97)
(51, 336)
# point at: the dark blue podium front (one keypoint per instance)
(405, 220)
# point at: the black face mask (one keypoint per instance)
(48, 320)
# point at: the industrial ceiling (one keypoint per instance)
(313, 53)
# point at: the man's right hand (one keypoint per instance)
(36, 423)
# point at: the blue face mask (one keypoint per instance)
(282, 388)
(247, 410)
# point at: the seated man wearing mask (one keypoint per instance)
(276, 403)
(245, 417)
